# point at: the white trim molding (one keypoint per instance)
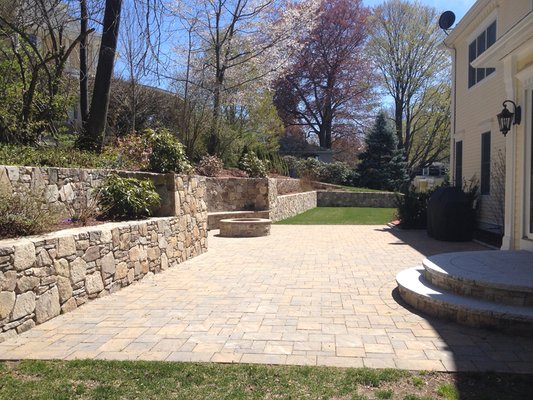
(515, 41)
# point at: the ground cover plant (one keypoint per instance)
(84, 379)
(342, 216)
(61, 156)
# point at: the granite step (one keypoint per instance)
(500, 276)
(474, 312)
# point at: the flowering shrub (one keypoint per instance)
(135, 151)
(209, 166)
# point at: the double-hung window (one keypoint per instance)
(485, 39)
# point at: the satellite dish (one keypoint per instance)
(446, 20)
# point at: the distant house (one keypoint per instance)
(492, 47)
(430, 177)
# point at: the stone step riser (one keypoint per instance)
(465, 317)
(451, 307)
(478, 290)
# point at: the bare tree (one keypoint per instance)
(39, 34)
(240, 42)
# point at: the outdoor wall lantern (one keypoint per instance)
(506, 118)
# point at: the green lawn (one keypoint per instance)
(342, 216)
(101, 380)
(361, 189)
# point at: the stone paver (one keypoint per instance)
(305, 295)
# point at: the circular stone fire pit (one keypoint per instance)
(245, 227)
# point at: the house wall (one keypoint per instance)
(476, 107)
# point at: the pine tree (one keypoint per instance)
(382, 165)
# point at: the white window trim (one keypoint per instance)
(526, 77)
(493, 16)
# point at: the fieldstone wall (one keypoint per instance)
(355, 199)
(41, 277)
(71, 188)
(290, 205)
(237, 194)
(287, 186)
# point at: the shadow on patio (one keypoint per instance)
(469, 349)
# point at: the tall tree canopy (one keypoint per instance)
(406, 48)
(330, 79)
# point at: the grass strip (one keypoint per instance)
(342, 216)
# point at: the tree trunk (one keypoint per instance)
(398, 122)
(84, 89)
(94, 135)
(213, 141)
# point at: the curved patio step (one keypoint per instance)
(500, 276)
(425, 297)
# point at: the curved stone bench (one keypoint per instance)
(245, 227)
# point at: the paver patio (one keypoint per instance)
(313, 295)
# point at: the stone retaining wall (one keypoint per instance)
(287, 186)
(292, 204)
(71, 188)
(355, 199)
(237, 194)
(43, 276)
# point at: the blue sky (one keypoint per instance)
(459, 7)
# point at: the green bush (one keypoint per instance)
(309, 169)
(127, 197)
(23, 213)
(209, 166)
(337, 173)
(168, 154)
(412, 208)
(253, 166)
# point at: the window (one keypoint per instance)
(459, 164)
(485, 163)
(486, 39)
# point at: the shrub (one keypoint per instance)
(309, 169)
(337, 173)
(87, 210)
(127, 197)
(412, 208)
(23, 213)
(253, 166)
(168, 154)
(209, 166)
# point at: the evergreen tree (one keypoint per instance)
(382, 165)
